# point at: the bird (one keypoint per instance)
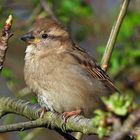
(64, 77)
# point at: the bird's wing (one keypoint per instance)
(86, 61)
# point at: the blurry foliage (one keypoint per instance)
(68, 9)
(10, 78)
(127, 53)
(129, 24)
(127, 50)
(99, 121)
(7, 73)
(116, 105)
(120, 105)
(33, 100)
(69, 12)
(81, 33)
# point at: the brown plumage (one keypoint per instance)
(63, 75)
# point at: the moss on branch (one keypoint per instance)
(50, 120)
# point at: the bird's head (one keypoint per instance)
(46, 33)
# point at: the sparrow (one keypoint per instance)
(64, 77)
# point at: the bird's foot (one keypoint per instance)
(41, 112)
(66, 115)
(75, 113)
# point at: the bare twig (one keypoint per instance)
(47, 9)
(126, 128)
(116, 122)
(4, 40)
(135, 132)
(113, 35)
(34, 14)
(105, 61)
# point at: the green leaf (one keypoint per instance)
(99, 121)
(101, 131)
(119, 104)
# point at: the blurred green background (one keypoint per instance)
(89, 22)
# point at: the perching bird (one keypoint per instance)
(65, 78)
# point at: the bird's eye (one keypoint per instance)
(44, 36)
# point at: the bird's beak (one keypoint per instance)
(28, 37)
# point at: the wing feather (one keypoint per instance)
(85, 60)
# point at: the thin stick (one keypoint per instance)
(47, 9)
(126, 128)
(4, 40)
(113, 35)
(111, 43)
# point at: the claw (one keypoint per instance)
(75, 113)
(66, 115)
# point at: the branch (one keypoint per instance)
(113, 35)
(127, 126)
(55, 121)
(4, 40)
(28, 110)
(47, 9)
(50, 120)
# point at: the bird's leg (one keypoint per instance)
(66, 115)
(77, 112)
(42, 111)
